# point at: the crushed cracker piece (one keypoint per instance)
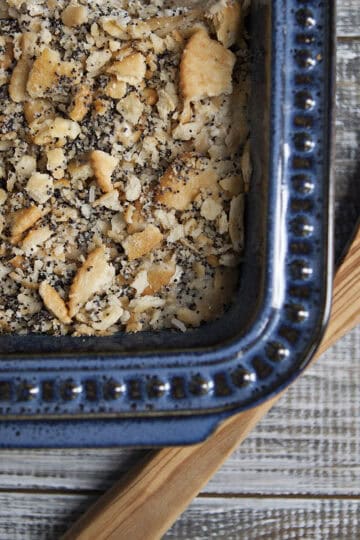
(92, 277)
(165, 25)
(43, 75)
(133, 326)
(26, 166)
(3, 196)
(115, 89)
(80, 171)
(84, 330)
(22, 220)
(29, 43)
(17, 262)
(81, 103)
(37, 111)
(114, 28)
(101, 106)
(183, 180)
(133, 189)
(96, 61)
(56, 162)
(232, 184)
(158, 276)
(211, 209)
(54, 303)
(103, 165)
(18, 81)
(189, 316)
(57, 131)
(110, 315)
(167, 100)
(127, 134)
(34, 240)
(134, 218)
(206, 68)
(140, 305)
(246, 166)
(179, 325)
(40, 187)
(2, 226)
(74, 15)
(6, 52)
(130, 69)
(140, 283)
(141, 243)
(226, 18)
(131, 108)
(109, 200)
(150, 95)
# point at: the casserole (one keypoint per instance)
(165, 388)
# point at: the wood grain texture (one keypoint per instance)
(309, 444)
(347, 163)
(345, 312)
(348, 19)
(268, 519)
(39, 516)
(42, 517)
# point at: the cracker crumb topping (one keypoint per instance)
(124, 163)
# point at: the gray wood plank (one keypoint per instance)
(40, 517)
(87, 469)
(347, 162)
(348, 18)
(347, 107)
(276, 519)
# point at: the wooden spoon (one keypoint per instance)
(147, 500)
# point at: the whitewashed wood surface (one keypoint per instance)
(297, 476)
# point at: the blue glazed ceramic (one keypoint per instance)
(169, 388)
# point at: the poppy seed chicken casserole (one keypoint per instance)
(124, 159)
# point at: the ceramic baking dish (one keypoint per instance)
(172, 388)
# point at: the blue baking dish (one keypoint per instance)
(169, 388)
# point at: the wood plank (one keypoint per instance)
(347, 106)
(40, 516)
(347, 142)
(348, 18)
(70, 469)
(278, 519)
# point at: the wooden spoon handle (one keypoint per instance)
(147, 501)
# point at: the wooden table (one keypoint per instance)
(297, 476)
